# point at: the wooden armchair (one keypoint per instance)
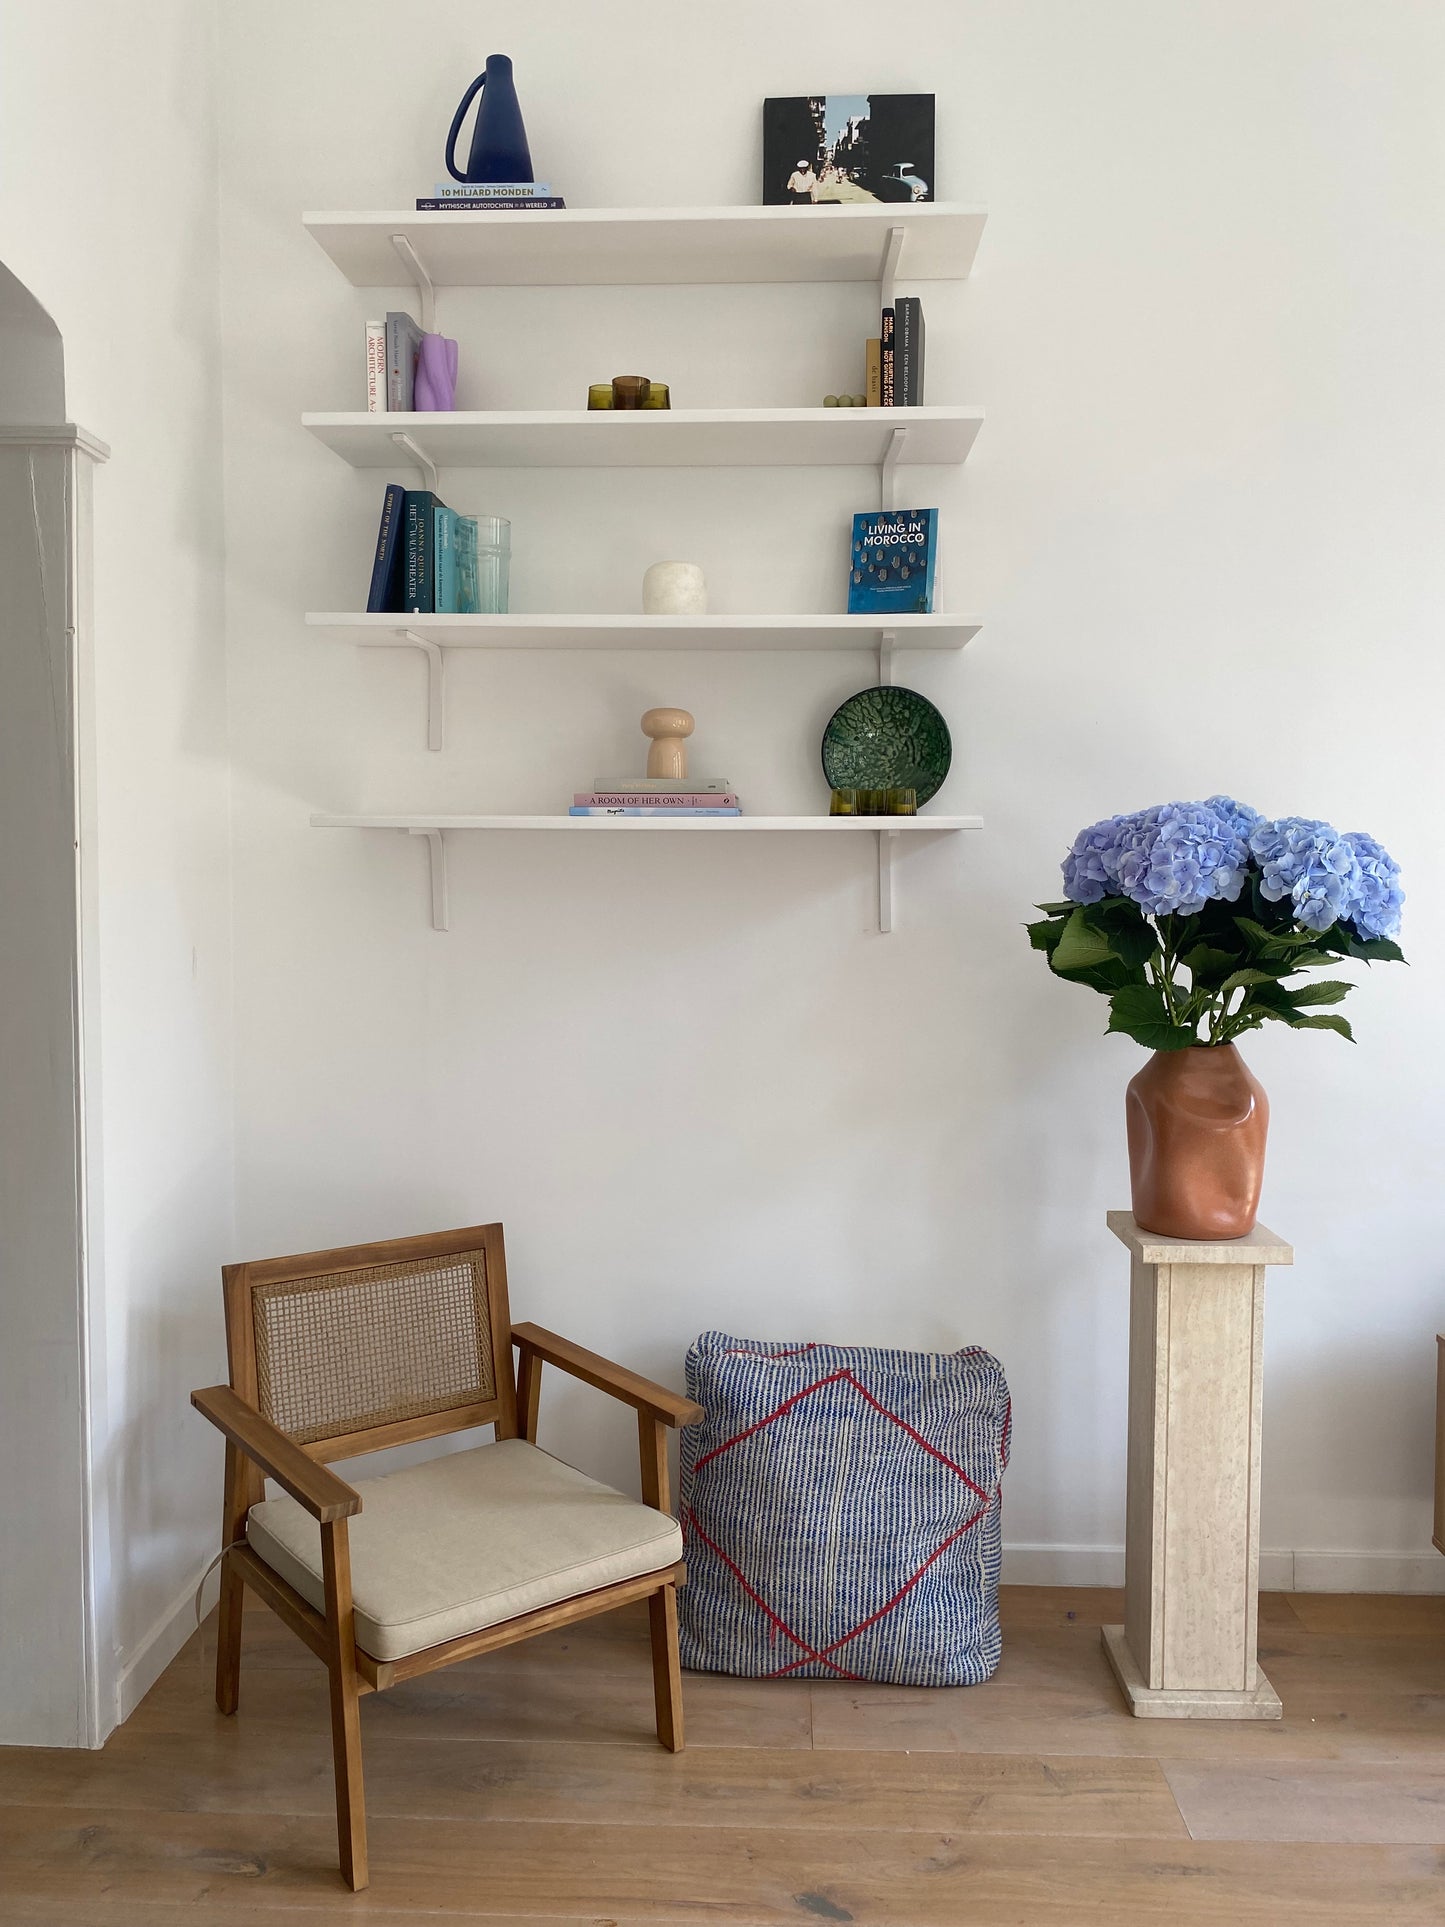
(336, 1353)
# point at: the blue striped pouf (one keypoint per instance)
(841, 1512)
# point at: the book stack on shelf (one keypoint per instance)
(894, 364)
(657, 796)
(426, 557)
(491, 197)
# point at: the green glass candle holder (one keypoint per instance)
(599, 394)
(843, 803)
(902, 802)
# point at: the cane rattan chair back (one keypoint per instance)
(375, 1347)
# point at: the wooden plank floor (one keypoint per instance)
(526, 1787)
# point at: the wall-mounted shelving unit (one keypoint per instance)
(649, 246)
(435, 829)
(431, 636)
(579, 247)
(654, 438)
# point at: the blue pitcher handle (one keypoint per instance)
(467, 98)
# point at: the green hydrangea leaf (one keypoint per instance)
(1139, 1011)
(1243, 978)
(1207, 964)
(1044, 935)
(1080, 947)
(1326, 1021)
(1332, 991)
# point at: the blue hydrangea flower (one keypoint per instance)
(1378, 896)
(1239, 816)
(1310, 863)
(1170, 860)
(1087, 877)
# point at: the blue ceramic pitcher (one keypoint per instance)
(499, 140)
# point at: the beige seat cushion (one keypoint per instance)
(466, 1541)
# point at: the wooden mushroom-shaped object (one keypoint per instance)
(669, 730)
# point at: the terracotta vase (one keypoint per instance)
(1197, 1123)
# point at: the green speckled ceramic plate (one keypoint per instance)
(884, 739)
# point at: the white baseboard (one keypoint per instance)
(1278, 1571)
(160, 1645)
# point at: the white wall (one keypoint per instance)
(108, 181)
(1201, 526)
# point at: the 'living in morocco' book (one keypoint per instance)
(891, 563)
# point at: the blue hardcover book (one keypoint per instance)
(418, 575)
(891, 564)
(444, 548)
(385, 589)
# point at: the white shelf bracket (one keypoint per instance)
(437, 875)
(887, 473)
(887, 641)
(418, 455)
(435, 683)
(886, 841)
(411, 261)
(888, 271)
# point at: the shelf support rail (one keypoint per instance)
(411, 261)
(887, 473)
(886, 841)
(887, 641)
(888, 270)
(418, 455)
(435, 683)
(436, 876)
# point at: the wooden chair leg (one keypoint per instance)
(345, 1705)
(243, 1488)
(228, 1637)
(662, 1606)
(666, 1667)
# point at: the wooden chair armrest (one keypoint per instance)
(659, 1403)
(310, 1484)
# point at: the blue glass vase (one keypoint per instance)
(499, 140)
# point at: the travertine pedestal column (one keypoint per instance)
(1187, 1648)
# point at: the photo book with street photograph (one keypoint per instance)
(822, 149)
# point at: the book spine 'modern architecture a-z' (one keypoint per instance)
(376, 367)
(887, 395)
(383, 592)
(418, 580)
(656, 799)
(403, 338)
(908, 357)
(580, 809)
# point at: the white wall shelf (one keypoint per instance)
(649, 246)
(433, 635)
(434, 830)
(653, 438)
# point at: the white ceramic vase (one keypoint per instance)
(674, 589)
